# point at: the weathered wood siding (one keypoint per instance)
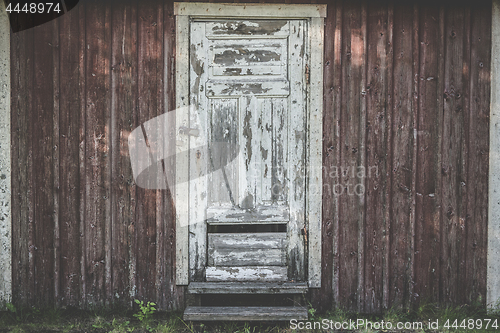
(84, 233)
(407, 92)
(406, 97)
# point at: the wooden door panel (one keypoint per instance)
(247, 249)
(218, 88)
(223, 142)
(247, 28)
(247, 82)
(248, 273)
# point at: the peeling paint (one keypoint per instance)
(241, 56)
(245, 89)
(248, 27)
(247, 133)
(5, 162)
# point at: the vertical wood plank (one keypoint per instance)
(361, 163)
(70, 103)
(336, 149)
(82, 61)
(265, 151)
(402, 149)
(199, 157)
(351, 206)
(323, 297)
(428, 173)
(388, 173)
(22, 67)
(124, 120)
(461, 297)
(295, 148)
(376, 166)
(5, 161)
(477, 192)
(411, 232)
(150, 74)
(97, 142)
(43, 180)
(313, 147)
(69, 124)
(160, 194)
(174, 296)
(56, 93)
(453, 152)
(182, 145)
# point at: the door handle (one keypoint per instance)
(189, 131)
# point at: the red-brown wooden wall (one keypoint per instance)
(406, 91)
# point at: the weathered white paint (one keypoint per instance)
(493, 274)
(249, 273)
(247, 249)
(5, 180)
(263, 215)
(182, 145)
(314, 15)
(259, 240)
(198, 152)
(249, 10)
(266, 115)
(315, 158)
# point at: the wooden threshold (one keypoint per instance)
(245, 313)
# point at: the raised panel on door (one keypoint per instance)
(248, 154)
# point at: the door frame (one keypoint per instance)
(315, 14)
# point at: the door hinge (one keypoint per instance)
(307, 74)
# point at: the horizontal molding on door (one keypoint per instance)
(258, 216)
(277, 88)
(261, 240)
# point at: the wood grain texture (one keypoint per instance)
(428, 182)
(406, 90)
(97, 155)
(402, 158)
(171, 297)
(477, 190)
(250, 313)
(43, 162)
(322, 296)
(123, 121)
(150, 104)
(377, 163)
(69, 173)
(22, 71)
(351, 209)
(454, 156)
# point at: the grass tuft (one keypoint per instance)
(105, 320)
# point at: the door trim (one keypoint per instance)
(315, 14)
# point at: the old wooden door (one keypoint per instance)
(247, 138)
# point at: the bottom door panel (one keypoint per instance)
(247, 273)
